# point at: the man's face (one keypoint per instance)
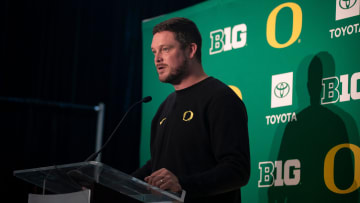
(170, 59)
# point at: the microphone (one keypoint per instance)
(147, 99)
(95, 154)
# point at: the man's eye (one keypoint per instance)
(165, 49)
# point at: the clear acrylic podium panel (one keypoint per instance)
(73, 177)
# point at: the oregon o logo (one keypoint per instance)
(347, 4)
(162, 121)
(188, 115)
(329, 168)
(282, 90)
(271, 25)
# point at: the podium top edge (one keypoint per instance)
(95, 163)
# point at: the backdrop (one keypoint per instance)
(296, 65)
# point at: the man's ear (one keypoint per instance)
(192, 50)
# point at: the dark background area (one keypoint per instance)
(79, 52)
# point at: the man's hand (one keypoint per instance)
(165, 180)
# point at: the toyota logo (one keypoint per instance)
(281, 90)
(347, 4)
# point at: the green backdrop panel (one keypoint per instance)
(297, 65)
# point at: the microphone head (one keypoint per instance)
(147, 99)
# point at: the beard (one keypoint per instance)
(176, 75)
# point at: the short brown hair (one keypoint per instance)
(185, 30)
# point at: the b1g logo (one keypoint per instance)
(281, 90)
(331, 92)
(291, 173)
(347, 8)
(228, 39)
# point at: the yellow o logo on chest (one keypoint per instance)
(188, 115)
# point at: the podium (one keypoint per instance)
(75, 177)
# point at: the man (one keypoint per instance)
(199, 135)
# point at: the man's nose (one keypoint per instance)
(158, 58)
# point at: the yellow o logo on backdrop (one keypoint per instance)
(329, 168)
(271, 25)
(236, 90)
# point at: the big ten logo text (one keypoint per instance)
(228, 39)
(332, 92)
(329, 168)
(271, 25)
(277, 174)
